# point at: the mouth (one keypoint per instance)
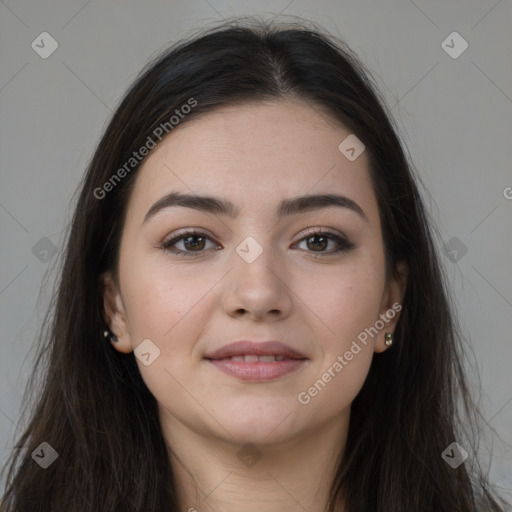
(256, 361)
(254, 358)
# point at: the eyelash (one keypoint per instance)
(343, 244)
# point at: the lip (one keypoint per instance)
(261, 348)
(256, 371)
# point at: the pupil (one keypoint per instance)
(194, 245)
(321, 238)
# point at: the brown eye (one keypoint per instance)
(318, 241)
(192, 242)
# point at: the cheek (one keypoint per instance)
(345, 299)
(332, 391)
(349, 305)
(168, 311)
(160, 301)
(168, 307)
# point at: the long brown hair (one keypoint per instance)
(92, 405)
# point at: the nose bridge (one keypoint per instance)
(257, 280)
(255, 261)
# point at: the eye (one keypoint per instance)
(319, 239)
(193, 243)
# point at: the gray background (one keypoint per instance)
(454, 114)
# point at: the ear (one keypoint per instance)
(392, 303)
(114, 313)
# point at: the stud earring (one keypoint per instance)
(110, 336)
(389, 339)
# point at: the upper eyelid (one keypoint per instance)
(338, 237)
(187, 232)
(199, 232)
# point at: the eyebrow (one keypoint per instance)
(221, 206)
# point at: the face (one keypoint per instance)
(194, 280)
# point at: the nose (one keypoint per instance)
(258, 290)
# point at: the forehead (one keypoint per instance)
(256, 154)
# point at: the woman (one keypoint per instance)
(251, 314)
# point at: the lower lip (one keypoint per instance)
(257, 371)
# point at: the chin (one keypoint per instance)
(259, 423)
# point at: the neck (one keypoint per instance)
(211, 474)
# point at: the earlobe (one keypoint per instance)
(114, 314)
(392, 306)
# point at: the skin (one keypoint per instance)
(296, 292)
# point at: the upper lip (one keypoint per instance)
(258, 348)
